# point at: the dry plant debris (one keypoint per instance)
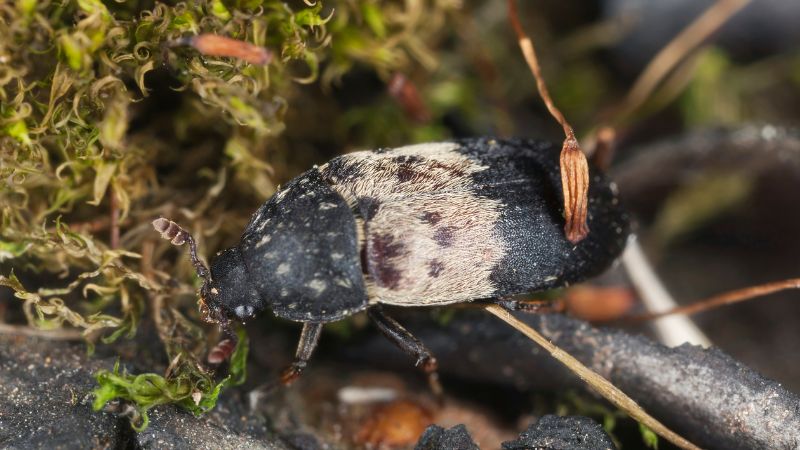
(574, 167)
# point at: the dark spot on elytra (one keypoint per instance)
(444, 236)
(432, 217)
(452, 170)
(383, 246)
(368, 207)
(435, 267)
(413, 167)
(381, 249)
(406, 173)
(388, 275)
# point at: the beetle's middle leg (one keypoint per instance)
(406, 341)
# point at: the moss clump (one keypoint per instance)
(189, 387)
(106, 124)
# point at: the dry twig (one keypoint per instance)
(59, 334)
(596, 381)
(695, 392)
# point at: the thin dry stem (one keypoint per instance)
(405, 92)
(113, 206)
(593, 379)
(603, 151)
(574, 167)
(674, 52)
(727, 298)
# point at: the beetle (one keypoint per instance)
(433, 224)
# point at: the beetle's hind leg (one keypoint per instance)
(406, 341)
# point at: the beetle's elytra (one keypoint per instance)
(427, 224)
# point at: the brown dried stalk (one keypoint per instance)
(673, 53)
(113, 206)
(574, 167)
(593, 379)
(603, 151)
(405, 92)
(726, 298)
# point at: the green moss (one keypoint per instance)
(187, 386)
(700, 201)
(105, 124)
(649, 437)
(712, 96)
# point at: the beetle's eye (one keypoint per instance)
(244, 311)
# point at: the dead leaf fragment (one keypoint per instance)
(215, 45)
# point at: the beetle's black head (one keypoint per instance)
(228, 294)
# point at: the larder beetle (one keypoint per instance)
(423, 225)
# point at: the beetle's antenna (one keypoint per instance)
(178, 236)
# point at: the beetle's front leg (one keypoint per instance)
(409, 344)
(309, 338)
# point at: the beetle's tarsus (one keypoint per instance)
(228, 332)
(309, 338)
(406, 341)
(431, 368)
(292, 373)
(287, 377)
